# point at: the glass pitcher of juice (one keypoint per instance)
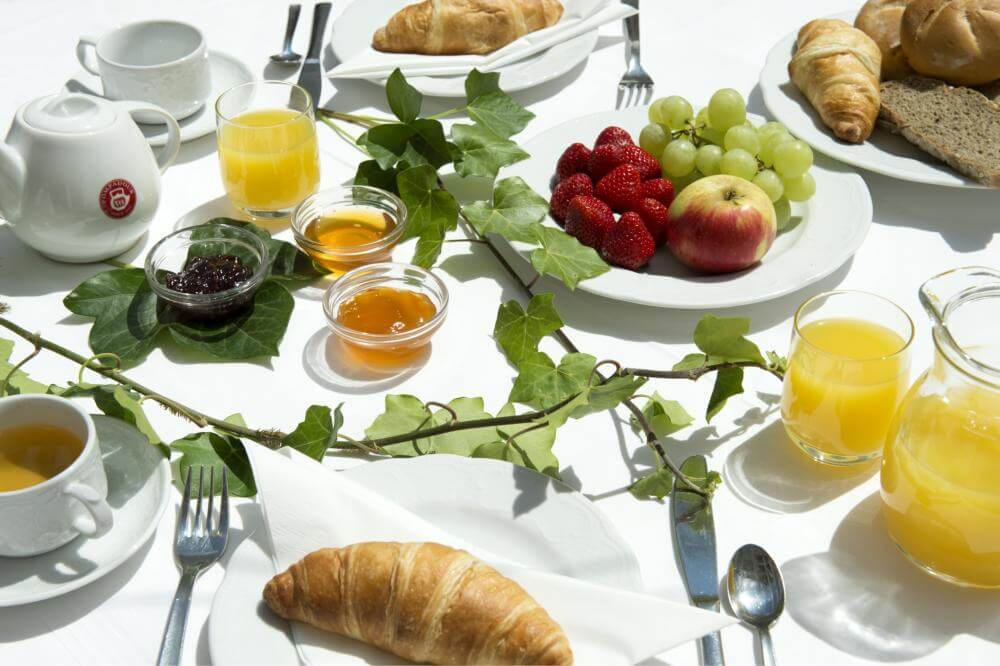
(941, 469)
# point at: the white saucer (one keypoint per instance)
(512, 511)
(138, 492)
(227, 71)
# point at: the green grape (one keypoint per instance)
(683, 181)
(769, 142)
(726, 109)
(741, 136)
(769, 128)
(708, 158)
(769, 181)
(782, 213)
(712, 135)
(654, 138)
(792, 159)
(674, 112)
(702, 119)
(740, 163)
(801, 188)
(678, 158)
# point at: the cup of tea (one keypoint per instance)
(161, 62)
(52, 482)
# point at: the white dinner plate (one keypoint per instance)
(884, 152)
(824, 233)
(353, 30)
(512, 511)
(138, 492)
(227, 72)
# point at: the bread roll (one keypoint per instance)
(957, 41)
(881, 20)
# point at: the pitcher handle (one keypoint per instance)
(941, 290)
(101, 518)
(84, 47)
(168, 153)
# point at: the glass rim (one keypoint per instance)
(956, 354)
(401, 222)
(285, 84)
(854, 292)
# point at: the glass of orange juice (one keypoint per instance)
(848, 370)
(267, 147)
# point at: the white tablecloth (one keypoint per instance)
(851, 597)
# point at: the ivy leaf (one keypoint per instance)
(212, 450)
(386, 143)
(403, 413)
(432, 211)
(664, 416)
(371, 173)
(728, 382)
(691, 362)
(429, 141)
(286, 262)
(499, 113)
(608, 395)
(317, 432)
(479, 83)
(404, 100)
(531, 447)
(483, 153)
(515, 212)
(696, 469)
(777, 362)
(722, 340)
(565, 258)
(656, 484)
(462, 442)
(118, 402)
(19, 382)
(518, 332)
(541, 383)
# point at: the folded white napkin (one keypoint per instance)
(579, 17)
(308, 506)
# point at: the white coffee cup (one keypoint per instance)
(161, 62)
(73, 503)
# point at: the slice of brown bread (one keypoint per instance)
(956, 125)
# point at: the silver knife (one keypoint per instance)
(311, 77)
(694, 541)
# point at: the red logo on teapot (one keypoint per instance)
(117, 198)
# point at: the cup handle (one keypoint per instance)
(83, 53)
(166, 155)
(101, 519)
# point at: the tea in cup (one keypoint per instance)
(52, 482)
(161, 62)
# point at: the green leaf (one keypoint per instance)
(317, 432)
(722, 340)
(696, 469)
(403, 414)
(499, 113)
(386, 143)
(532, 446)
(518, 332)
(483, 153)
(462, 442)
(19, 382)
(515, 212)
(212, 450)
(286, 261)
(118, 402)
(691, 362)
(565, 258)
(777, 362)
(541, 383)
(609, 394)
(370, 173)
(404, 99)
(432, 212)
(728, 382)
(430, 142)
(479, 83)
(656, 484)
(664, 416)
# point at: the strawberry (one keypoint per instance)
(575, 159)
(575, 185)
(628, 243)
(654, 216)
(603, 159)
(646, 164)
(660, 189)
(613, 135)
(620, 188)
(588, 220)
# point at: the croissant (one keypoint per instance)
(450, 27)
(837, 67)
(421, 601)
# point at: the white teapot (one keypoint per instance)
(78, 182)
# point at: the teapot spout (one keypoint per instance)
(11, 181)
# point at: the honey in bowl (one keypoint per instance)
(32, 454)
(338, 234)
(386, 311)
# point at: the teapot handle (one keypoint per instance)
(168, 153)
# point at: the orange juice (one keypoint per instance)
(941, 483)
(844, 382)
(269, 159)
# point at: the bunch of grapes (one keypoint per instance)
(720, 139)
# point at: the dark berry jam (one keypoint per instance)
(209, 275)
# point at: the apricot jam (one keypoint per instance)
(341, 233)
(386, 311)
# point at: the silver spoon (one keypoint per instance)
(287, 55)
(756, 593)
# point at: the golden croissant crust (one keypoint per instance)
(837, 66)
(421, 601)
(452, 27)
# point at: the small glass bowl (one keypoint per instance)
(172, 253)
(390, 351)
(327, 202)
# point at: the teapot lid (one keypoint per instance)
(69, 113)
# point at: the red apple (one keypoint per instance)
(721, 224)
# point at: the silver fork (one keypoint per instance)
(198, 543)
(635, 83)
